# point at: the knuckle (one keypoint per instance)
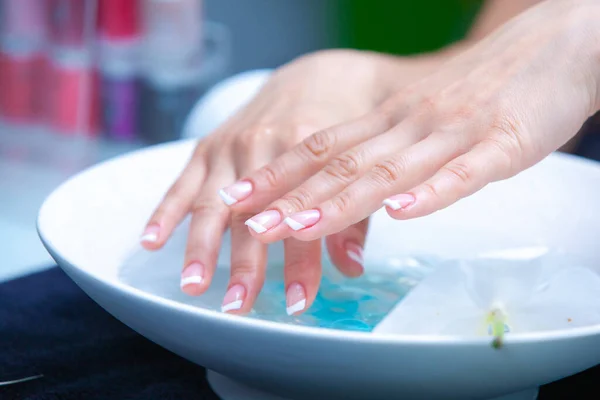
(308, 271)
(176, 191)
(388, 172)
(172, 205)
(202, 207)
(255, 135)
(427, 105)
(389, 109)
(319, 145)
(344, 168)
(297, 200)
(501, 155)
(508, 132)
(342, 202)
(429, 187)
(270, 175)
(459, 171)
(243, 267)
(462, 113)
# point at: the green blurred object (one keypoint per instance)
(404, 26)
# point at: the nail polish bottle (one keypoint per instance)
(118, 47)
(73, 103)
(22, 41)
(171, 70)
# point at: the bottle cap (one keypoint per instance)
(67, 22)
(118, 19)
(23, 20)
(172, 36)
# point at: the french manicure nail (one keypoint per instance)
(150, 235)
(264, 221)
(234, 298)
(193, 274)
(355, 253)
(295, 299)
(303, 219)
(236, 192)
(399, 202)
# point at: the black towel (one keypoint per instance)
(49, 326)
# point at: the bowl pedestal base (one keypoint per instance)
(229, 389)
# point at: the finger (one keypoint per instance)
(248, 264)
(346, 248)
(291, 168)
(393, 175)
(302, 274)
(176, 203)
(457, 179)
(210, 218)
(248, 256)
(340, 172)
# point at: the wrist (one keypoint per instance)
(590, 15)
(580, 36)
(593, 43)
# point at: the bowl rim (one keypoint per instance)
(236, 321)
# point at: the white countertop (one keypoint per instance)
(32, 164)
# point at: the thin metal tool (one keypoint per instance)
(29, 378)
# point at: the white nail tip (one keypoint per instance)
(294, 308)
(227, 199)
(234, 305)
(295, 225)
(355, 257)
(149, 237)
(191, 280)
(394, 205)
(256, 227)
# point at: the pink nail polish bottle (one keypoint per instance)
(73, 106)
(22, 41)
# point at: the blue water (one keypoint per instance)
(357, 304)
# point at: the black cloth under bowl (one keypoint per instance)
(49, 326)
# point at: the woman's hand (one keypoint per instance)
(485, 115)
(310, 94)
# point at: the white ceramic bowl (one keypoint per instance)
(91, 226)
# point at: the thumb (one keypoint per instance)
(346, 248)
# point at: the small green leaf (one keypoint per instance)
(496, 320)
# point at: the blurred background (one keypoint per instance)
(85, 80)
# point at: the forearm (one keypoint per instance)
(495, 13)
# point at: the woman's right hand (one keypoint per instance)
(486, 115)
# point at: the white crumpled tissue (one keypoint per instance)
(503, 293)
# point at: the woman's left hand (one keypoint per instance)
(489, 113)
(311, 93)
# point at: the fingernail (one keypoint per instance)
(193, 274)
(234, 298)
(264, 221)
(295, 299)
(399, 202)
(303, 219)
(150, 235)
(355, 253)
(236, 192)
